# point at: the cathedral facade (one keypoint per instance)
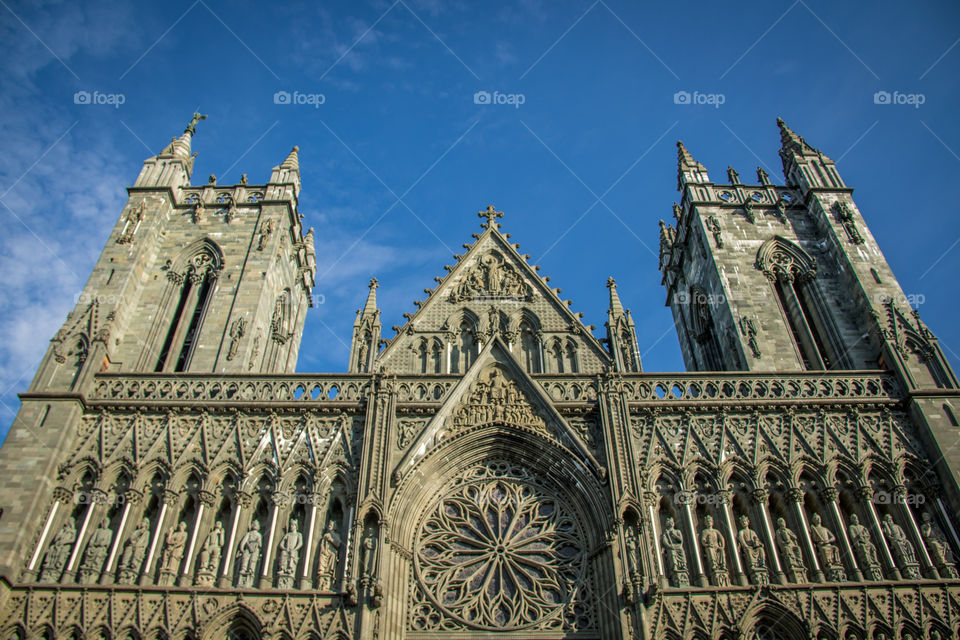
(494, 469)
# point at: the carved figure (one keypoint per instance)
(940, 552)
(754, 555)
(329, 555)
(237, 330)
(715, 547)
(903, 551)
(250, 554)
(864, 548)
(290, 545)
(823, 540)
(674, 557)
(173, 548)
(58, 553)
(789, 546)
(96, 553)
(210, 555)
(133, 552)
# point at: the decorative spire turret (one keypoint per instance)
(688, 169)
(805, 167)
(163, 174)
(366, 334)
(288, 172)
(621, 334)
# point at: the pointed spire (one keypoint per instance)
(688, 169)
(790, 141)
(616, 307)
(371, 305)
(293, 160)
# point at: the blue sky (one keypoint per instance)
(398, 158)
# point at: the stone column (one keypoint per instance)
(701, 577)
(795, 495)
(279, 500)
(865, 495)
(760, 498)
(829, 496)
(242, 500)
(726, 497)
(61, 495)
(900, 496)
(207, 500)
(169, 499)
(652, 499)
(316, 499)
(97, 496)
(131, 498)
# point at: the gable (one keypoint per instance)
(490, 292)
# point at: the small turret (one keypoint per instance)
(621, 334)
(366, 334)
(688, 169)
(805, 167)
(173, 166)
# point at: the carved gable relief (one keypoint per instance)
(496, 392)
(491, 278)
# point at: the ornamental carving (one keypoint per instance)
(495, 399)
(492, 277)
(499, 550)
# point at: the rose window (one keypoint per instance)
(500, 553)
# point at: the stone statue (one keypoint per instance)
(192, 127)
(250, 554)
(903, 551)
(733, 175)
(59, 552)
(173, 547)
(940, 552)
(673, 555)
(266, 230)
(715, 547)
(290, 545)
(823, 540)
(754, 556)
(864, 548)
(96, 553)
(329, 554)
(789, 546)
(369, 545)
(210, 556)
(135, 549)
(633, 551)
(243, 179)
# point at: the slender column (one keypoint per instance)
(946, 518)
(60, 495)
(651, 498)
(316, 499)
(96, 497)
(449, 353)
(725, 500)
(278, 499)
(131, 498)
(829, 496)
(242, 501)
(169, 497)
(207, 500)
(701, 577)
(900, 495)
(865, 494)
(760, 498)
(795, 495)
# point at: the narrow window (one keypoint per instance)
(194, 327)
(174, 323)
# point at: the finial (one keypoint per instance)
(192, 127)
(243, 179)
(611, 283)
(212, 179)
(373, 283)
(491, 214)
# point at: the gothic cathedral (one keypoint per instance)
(495, 469)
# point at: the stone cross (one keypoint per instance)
(491, 214)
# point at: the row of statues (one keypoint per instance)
(249, 552)
(824, 542)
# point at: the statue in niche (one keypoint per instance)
(633, 551)
(329, 555)
(674, 558)
(133, 552)
(250, 554)
(789, 546)
(96, 553)
(290, 545)
(940, 552)
(754, 555)
(715, 549)
(210, 556)
(903, 551)
(369, 549)
(59, 552)
(845, 216)
(864, 548)
(823, 540)
(173, 547)
(237, 330)
(266, 230)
